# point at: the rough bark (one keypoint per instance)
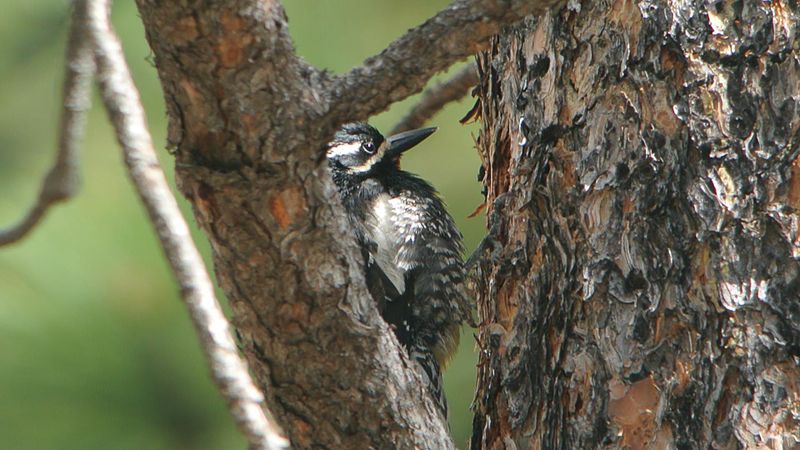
(305, 322)
(248, 121)
(641, 288)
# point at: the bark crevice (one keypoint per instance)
(646, 149)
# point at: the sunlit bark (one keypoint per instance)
(641, 289)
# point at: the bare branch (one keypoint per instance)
(403, 68)
(229, 371)
(62, 181)
(435, 98)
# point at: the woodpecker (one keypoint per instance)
(412, 249)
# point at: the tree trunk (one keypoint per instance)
(640, 287)
(246, 123)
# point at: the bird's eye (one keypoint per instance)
(368, 147)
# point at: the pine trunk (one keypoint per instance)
(245, 121)
(640, 284)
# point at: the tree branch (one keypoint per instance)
(250, 133)
(62, 181)
(122, 102)
(435, 98)
(402, 69)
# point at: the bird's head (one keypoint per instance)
(360, 149)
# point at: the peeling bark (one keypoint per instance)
(642, 285)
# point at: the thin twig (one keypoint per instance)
(62, 181)
(228, 369)
(435, 98)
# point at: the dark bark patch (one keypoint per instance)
(539, 66)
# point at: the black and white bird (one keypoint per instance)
(411, 246)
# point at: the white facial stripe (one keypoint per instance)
(371, 161)
(344, 149)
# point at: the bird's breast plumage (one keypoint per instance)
(417, 246)
(383, 232)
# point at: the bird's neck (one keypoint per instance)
(358, 192)
(346, 184)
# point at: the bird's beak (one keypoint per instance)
(400, 142)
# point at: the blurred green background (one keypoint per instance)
(96, 351)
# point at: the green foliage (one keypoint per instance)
(96, 350)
